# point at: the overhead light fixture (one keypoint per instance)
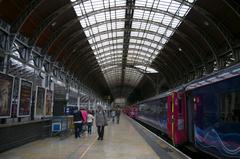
(179, 49)
(53, 24)
(206, 23)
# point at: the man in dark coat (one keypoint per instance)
(78, 122)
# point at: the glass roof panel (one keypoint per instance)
(153, 23)
(146, 69)
(132, 76)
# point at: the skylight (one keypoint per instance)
(152, 24)
(146, 69)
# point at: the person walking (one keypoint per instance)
(101, 122)
(78, 121)
(90, 119)
(113, 114)
(118, 113)
(84, 123)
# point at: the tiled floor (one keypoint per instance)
(121, 141)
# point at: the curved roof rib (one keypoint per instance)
(129, 33)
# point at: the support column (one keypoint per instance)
(6, 62)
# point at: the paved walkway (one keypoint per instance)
(121, 141)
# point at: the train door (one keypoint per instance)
(177, 115)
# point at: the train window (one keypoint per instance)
(230, 107)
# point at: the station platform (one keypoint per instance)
(121, 141)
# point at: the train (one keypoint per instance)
(131, 111)
(204, 113)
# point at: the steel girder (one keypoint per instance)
(26, 13)
(183, 36)
(172, 64)
(221, 28)
(47, 21)
(131, 20)
(137, 44)
(183, 53)
(75, 50)
(136, 49)
(234, 6)
(129, 8)
(160, 72)
(207, 40)
(214, 45)
(131, 29)
(146, 75)
(81, 53)
(90, 60)
(70, 39)
(122, 37)
(172, 53)
(88, 56)
(163, 71)
(186, 55)
(86, 76)
(57, 34)
(205, 37)
(170, 74)
(191, 43)
(84, 71)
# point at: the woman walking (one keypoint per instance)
(101, 121)
(90, 119)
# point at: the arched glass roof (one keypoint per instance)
(129, 33)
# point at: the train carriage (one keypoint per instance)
(214, 117)
(166, 112)
(131, 111)
(204, 112)
(154, 112)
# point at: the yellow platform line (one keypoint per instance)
(84, 153)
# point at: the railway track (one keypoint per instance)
(187, 149)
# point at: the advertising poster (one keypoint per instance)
(6, 84)
(49, 103)
(15, 97)
(25, 98)
(39, 104)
